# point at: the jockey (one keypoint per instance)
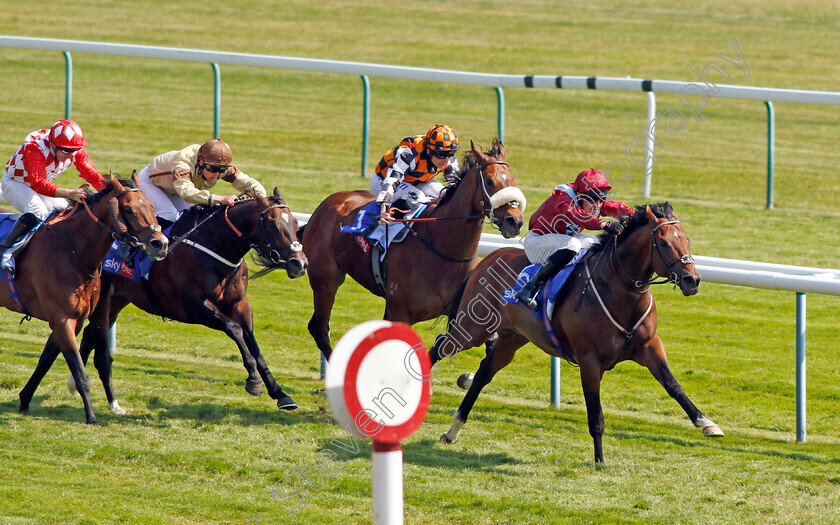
(406, 171)
(176, 180)
(44, 155)
(554, 234)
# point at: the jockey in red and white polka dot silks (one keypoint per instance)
(44, 155)
(407, 171)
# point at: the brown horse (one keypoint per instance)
(204, 281)
(606, 316)
(425, 268)
(58, 273)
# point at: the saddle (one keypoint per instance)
(374, 238)
(548, 296)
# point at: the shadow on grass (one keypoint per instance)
(721, 444)
(163, 413)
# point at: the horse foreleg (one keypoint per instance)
(210, 316)
(655, 360)
(500, 355)
(95, 339)
(324, 288)
(590, 378)
(65, 337)
(243, 316)
(45, 362)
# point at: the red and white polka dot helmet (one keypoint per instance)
(67, 134)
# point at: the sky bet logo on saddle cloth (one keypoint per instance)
(115, 264)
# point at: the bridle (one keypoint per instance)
(269, 252)
(488, 200)
(122, 232)
(672, 277)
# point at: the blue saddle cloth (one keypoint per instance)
(7, 259)
(113, 263)
(550, 291)
(366, 226)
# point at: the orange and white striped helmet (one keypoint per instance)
(442, 138)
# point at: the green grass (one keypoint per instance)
(196, 449)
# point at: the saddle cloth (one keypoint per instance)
(365, 227)
(114, 264)
(7, 259)
(549, 292)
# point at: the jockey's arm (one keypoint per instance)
(87, 170)
(243, 183)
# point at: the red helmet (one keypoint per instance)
(442, 138)
(67, 134)
(592, 182)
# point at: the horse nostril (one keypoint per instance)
(157, 245)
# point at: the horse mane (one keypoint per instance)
(470, 161)
(662, 210)
(93, 198)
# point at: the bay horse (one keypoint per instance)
(426, 268)
(58, 273)
(606, 316)
(204, 280)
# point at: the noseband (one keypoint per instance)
(271, 253)
(672, 277)
(488, 200)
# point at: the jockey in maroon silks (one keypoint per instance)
(554, 235)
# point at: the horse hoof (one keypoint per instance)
(94, 422)
(286, 403)
(445, 440)
(712, 431)
(71, 386)
(117, 410)
(254, 387)
(465, 380)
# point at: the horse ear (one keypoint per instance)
(498, 144)
(278, 195)
(113, 179)
(134, 178)
(477, 153)
(650, 215)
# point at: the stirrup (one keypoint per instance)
(528, 300)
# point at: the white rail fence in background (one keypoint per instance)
(799, 279)
(701, 87)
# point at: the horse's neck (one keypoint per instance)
(88, 239)
(631, 256)
(459, 238)
(220, 236)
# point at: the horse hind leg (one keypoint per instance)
(654, 359)
(499, 356)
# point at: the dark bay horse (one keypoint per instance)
(606, 316)
(204, 281)
(424, 270)
(58, 273)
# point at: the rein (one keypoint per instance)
(637, 283)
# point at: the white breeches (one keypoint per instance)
(26, 200)
(166, 206)
(538, 247)
(422, 192)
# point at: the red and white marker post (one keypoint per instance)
(378, 386)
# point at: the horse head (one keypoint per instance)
(673, 259)
(276, 240)
(497, 194)
(132, 217)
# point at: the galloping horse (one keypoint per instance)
(205, 281)
(425, 268)
(606, 316)
(58, 273)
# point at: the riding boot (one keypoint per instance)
(24, 224)
(127, 253)
(556, 262)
